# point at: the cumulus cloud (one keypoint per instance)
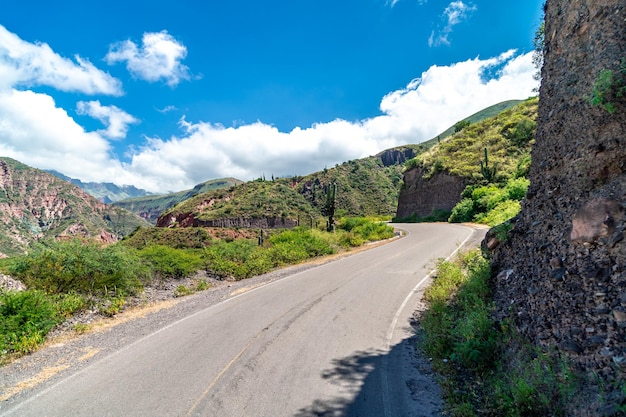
(36, 64)
(455, 13)
(158, 58)
(37, 132)
(428, 105)
(116, 119)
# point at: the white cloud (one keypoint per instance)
(427, 106)
(455, 13)
(167, 109)
(36, 132)
(393, 2)
(158, 58)
(116, 119)
(30, 64)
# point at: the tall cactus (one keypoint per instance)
(331, 193)
(488, 172)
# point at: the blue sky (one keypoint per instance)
(163, 95)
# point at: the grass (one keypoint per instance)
(487, 368)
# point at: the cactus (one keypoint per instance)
(488, 172)
(331, 193)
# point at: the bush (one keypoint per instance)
(25, 318)
(304, 241)
(500, 213)
(168, 262)
(81, 267)
(463, 212)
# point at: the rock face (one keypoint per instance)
(189, 220)
(396, 156)
(37, 205)
(561, 276)
(421, 196)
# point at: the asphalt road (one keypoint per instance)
(324, 342)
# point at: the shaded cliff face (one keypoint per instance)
(561, 275)
(421, 196)
(36, 205)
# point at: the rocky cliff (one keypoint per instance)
(421, 196)
(561, 275)
(36, 205)
(435, 179)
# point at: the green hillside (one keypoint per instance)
(252, 200)
(506, 137)
(152, 206)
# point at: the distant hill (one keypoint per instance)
(150, 207)
(106, 192)
(36, 205)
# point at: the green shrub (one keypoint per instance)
(500, 213)
(25, 318)
(168, 262)
(231, 258)
(464, 211)
(68, 304)
(81, 267)
(304, 241)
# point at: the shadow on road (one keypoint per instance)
(380, 384)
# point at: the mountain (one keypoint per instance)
(36, 205)
(255, 204)
(106, 192)
(152, 206)
(435, 179)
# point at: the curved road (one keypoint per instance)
(324, 342)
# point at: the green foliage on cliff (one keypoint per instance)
(491, 156)
(469, 349)
(506, 136)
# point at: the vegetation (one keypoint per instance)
(65, 277)
(84, 267)
(609, 88)
(488, 368)
(493, 157)
(252, 200)
(506, 136)
(490, 204)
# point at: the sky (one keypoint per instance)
(165, 94)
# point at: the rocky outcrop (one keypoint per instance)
(561, 275)
(396, 156)
(423, 194)
(189, 220)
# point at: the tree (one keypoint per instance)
(460, 125)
